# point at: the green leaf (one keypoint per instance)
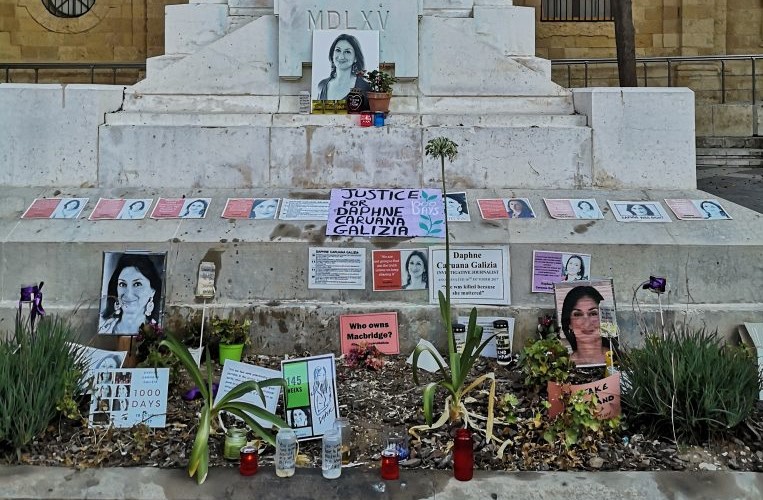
(428, 396)
(424, 226)
(438, 222)
(200, 450)
(181, 352)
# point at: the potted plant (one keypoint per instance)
(233, 336)
(380, 92)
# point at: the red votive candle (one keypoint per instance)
(366, 119)
(248, 465)
(463, 455)
(390, 469)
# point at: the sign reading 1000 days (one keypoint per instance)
(386, 212)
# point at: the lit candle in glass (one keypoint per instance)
(248, 465)
(390, 469)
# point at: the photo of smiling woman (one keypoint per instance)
(131, 292)
(338, 57)
(415, 270)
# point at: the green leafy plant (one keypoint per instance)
(579, 423)
(198, 464)
(37, 368)
(543, 361)
(506, 408)
(689, 385)
(380, 81)
(453, 375)
(231, 331)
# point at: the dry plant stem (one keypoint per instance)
(673, 399)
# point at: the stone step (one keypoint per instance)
(262, 265)
(730, 142)
(731, 152)
(290, 119)
(729, 161)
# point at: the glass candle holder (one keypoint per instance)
(343, 425)
(249, 462)
(235, 439)
(366, 119)
(390, 468)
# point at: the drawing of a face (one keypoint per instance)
(712, 210)
(197, 209)
(585, 206)
(454, 207)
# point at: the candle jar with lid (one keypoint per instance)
(502, 341)
(459, 337)
(248, 465)
(463, 455)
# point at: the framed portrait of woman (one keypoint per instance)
(132, 291)
(338, 57)
(586, 312)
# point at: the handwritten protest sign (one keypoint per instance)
(379, 329)
(235, 372)
(386, 212)
(312, 403)
(607, 390)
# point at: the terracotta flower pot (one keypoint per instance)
(379, 101)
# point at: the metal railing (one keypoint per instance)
(663, 73)
(575, 10)
(101, 72)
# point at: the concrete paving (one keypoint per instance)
(742, 185)
(149, 483)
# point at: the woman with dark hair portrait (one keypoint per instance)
(639, 210)
(195, 209)
(713, 210)
(67, 210)
(581, 325)
(518, 209)
(107, 362)
(574, 269)
(133, 287)
(346, 58)
(135, 210)
(585, 210)
(456, 204)
(416, 271)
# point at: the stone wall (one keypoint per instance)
(113, 30)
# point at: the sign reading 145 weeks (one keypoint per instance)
(386, 212)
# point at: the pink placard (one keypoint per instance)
(238, 208)
(168, 208)
(559, 209)
(41, 208)
(606, 389)
(493, 209)
(379, 329)
(107, 209)
(387, 269)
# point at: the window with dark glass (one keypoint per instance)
(576, 10)
(68, 8)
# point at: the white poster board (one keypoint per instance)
(312, 403)
(235, 372)
(337, 268)
(479, 275)
(126, 397)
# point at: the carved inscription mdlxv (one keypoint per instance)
(344, 19)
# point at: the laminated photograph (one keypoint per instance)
(400, 269)
(573, 208)
(55, 208)
(304, 210)
(638, 211)
(181, 208)
(708, 209)
(458, 207)
(556, 267)
(251, 208)
(132, 290)
(121, 208)
(127, 397)
(586, 312)
(506, 208)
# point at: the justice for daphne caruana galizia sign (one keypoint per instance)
(386, 212)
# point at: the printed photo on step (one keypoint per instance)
(698, 209)
(638, 211)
